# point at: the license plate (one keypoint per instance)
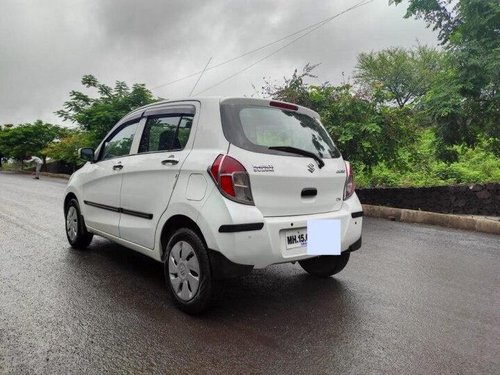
(324, 237)
(296, 238)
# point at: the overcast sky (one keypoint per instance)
(46, 46)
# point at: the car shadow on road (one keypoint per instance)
(278, 290)
(270, 313)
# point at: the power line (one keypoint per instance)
(238, 57)
(198, 80)
(320, 23)
(364, 2)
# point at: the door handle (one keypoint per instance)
(309, 192)
(171, 160)
(117, 167)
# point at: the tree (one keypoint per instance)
(399, 74)
(293, 89)
(99, 115)
(2, 153)
(28, 139)
(365, 131)
(437, 13)
(66, 149)
(469, 31)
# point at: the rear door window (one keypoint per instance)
(166, 133)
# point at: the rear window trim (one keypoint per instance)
(171, 111)
(161, 114)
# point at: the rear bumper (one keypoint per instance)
(355, 246)
(265, 246)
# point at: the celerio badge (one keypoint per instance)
(263, 168)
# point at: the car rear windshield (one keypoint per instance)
(257, 128)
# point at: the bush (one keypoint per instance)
(421, 167)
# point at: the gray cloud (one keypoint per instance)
(46, 46)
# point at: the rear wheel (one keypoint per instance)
(76, 232)
(187, 272)
(325, 266)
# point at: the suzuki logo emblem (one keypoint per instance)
(310, 167)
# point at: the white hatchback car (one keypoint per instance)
(213, 187)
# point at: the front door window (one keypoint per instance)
(120, 143)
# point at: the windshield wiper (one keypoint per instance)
(299, 151)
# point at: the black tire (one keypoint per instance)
(207, 289)
(326, 265)
(78, 237)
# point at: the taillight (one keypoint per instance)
(232, 179)
(349, 181)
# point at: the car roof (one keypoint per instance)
(205, 100)
(216, 99)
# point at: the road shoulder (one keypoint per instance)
(465, 222)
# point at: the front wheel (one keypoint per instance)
(76, 232)
(187, 272)
(326, 265)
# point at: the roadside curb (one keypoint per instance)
(47, 174)
(433, 218)
(56, 175)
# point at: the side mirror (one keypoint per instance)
(86, 153)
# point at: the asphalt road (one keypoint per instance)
(415, 299)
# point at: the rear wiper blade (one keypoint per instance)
(299, 151)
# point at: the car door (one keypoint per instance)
(103, 180)
(150, 176)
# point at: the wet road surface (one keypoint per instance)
(415, 299)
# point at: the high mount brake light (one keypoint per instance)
(349, 181)
(232, 179)
(291, 107)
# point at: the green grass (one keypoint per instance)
(419, 167)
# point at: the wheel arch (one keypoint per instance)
(172, 225)
(67, 198)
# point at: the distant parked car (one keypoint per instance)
(213, 187)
